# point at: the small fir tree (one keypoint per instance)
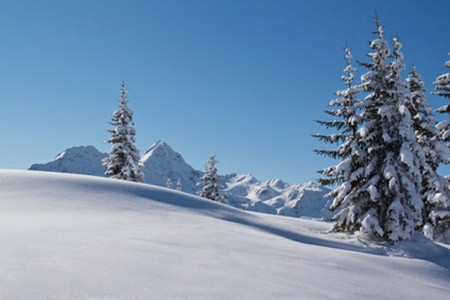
(210, 183)
(179, 185)
(169, 183)
(123, 160)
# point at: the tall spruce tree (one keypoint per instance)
(440, 215)
(442, 86)
(380, 190)
(424, 122)
(123, 160)
(345, 111)
(210, 181)
(434, 192)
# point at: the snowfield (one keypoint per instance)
(80, 237)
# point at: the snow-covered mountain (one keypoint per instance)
(161, 163)
(244, 191)
(85, 160)
(277, 197)
(67, 236)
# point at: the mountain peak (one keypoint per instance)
(77, 151)
(160, 148)
(161, 144)
(161, 162)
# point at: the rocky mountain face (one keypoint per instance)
(161, 162)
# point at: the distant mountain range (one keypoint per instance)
(243, 191)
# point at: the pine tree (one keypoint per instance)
(210, 182)
(169, 183)
(346, 111)
(380, 189)
(179, 185)
(123, 160)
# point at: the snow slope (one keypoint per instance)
(244, 191)
(81, 237)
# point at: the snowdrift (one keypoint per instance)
(80, 237)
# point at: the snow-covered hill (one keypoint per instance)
(69, 236)
(244, 191)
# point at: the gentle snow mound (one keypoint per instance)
(79, 237)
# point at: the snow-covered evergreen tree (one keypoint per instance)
(424, 122)
(439, 211)
(345, 111)
(210, 181)
(442, 85)
(179, 185)
(169, 183)
(434, 192)
(123, 160)
(381, 182)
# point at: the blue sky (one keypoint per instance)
(242, 79)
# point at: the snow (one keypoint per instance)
(406, 155)
(363, 132)
(161, 163)
(442, 125)
(373, 192)
(370, 223)
(343, 166)
(79, 237)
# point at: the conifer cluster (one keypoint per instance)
(389, 148)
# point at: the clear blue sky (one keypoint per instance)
(242, 79)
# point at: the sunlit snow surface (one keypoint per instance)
(80, 237)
